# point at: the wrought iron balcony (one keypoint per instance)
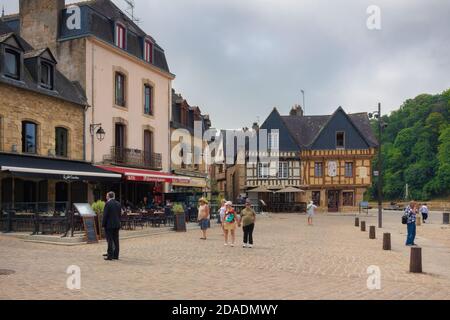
(134, 158)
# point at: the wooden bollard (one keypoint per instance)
(372, 233)
(387, 241)
(363, 226)
(356, 222)
(415, 265)
(418, 221)
(446, 218)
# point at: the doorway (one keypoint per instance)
(333, 201)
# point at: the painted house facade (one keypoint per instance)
(127, 82)
(327, 157)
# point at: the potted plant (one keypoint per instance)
(98, 208)
(180, 216)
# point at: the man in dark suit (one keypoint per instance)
(111, 223)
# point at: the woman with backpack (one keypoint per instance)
(310, 211)
(229, 224)
(409, 218)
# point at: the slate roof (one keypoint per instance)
(101, 16)
(305, 129)
(63, 88)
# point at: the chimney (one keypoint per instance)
(39, 22)
(296, 110)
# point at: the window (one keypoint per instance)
(263, 170)
(349, 169)
(274, 139)
(120, 36)
(46, 75)
(148, 148)
(283, 170)
(61, 141)
(12, 64)
(348, 199)
(148, 102)
(318, 169)
(148, 51)
(29, 137)
(316, 197)
(220, 168)
(120, 89)
(120, 136)
(340, 140)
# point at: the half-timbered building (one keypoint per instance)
(328, 157)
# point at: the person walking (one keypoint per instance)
(410, 213)
(203, 216)
(111, 224)
(248, 218)
(310, 212)
(424, 211)
(230, 221)
(222, 211)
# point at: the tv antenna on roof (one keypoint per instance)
(130, 11)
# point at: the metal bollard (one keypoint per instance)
(446, 218)
(418, 221)
(356, 222)
(415, 265)
(387, 241)
(363, 226)
(372, 233)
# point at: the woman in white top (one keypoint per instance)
(222, 211)
(310, 211)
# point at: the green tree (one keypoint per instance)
(416, 149)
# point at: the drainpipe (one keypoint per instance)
(92, 104)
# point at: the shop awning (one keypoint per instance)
(27, 166)
(141, 175)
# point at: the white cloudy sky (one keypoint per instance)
(237, 59)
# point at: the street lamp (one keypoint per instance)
(304, 106)
(97, 131)
(377, 115)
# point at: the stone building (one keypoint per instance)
(192, 170)
(42, 121)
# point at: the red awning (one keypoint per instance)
(131, 174)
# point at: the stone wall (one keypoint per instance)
(17, 105)
(71, 57)
(39, 22)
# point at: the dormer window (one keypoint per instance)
(12, 64)
(121, 32)
(148, 51)
(46, 75)
(340, 140)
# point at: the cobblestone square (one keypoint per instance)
(290, 260)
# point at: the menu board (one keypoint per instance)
(84, 209)
(90, 229)
(88, 215)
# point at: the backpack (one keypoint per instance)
(405, 219)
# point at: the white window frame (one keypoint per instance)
(263, 170)
(148, 51)
(273, 141)
(119, 37)
(283, 170)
